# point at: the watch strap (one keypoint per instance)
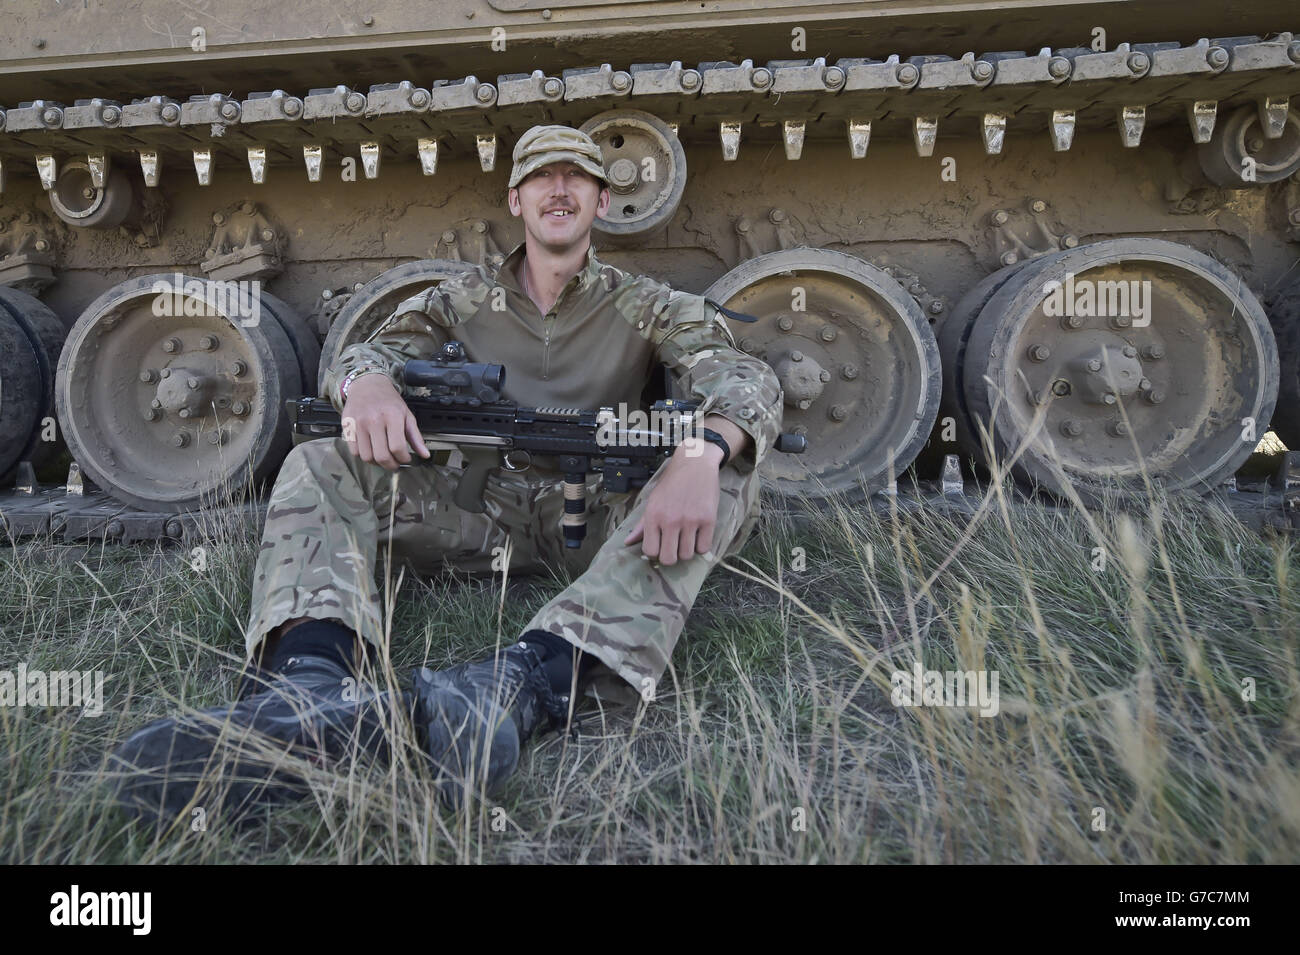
(711, 436)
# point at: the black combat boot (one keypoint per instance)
(312, 705)
(473, 719)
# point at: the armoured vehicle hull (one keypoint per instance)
(1060, 260)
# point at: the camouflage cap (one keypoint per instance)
(543, 145)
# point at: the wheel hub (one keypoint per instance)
(191, 392)
(1106, 373)
(802, 377)
(622, 176)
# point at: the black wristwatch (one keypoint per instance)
(714, 438)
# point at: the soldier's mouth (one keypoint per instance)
(558, 213)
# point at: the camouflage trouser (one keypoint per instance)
(330, 512)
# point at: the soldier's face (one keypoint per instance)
(558, 204)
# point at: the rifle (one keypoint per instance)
(462, 408)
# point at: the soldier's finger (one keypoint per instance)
(397, 440)
(686, 545)
(379, 446)
(414, 437)
(704, 539)
(637, 533)
(668, 546)
(363, 445)
(650, 540)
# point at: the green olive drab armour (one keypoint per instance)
(330, 512)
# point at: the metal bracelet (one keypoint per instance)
(352, 376)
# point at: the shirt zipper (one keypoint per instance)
(547, 322)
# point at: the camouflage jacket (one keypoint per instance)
(597, 347)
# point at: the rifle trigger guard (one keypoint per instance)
(510, 465)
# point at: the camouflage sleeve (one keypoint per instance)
(693, 341)
(416, 329)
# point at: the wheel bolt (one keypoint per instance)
(184, 412)
(937, 307)
(1154, 351)
(1119, 429)
(1094, 364)
(180, 440)
(209, 342)
(1039, 352)
(165, 373)
(192, 383)
(1038, 205)
(1072, 321)
(999, 218)
(1144, 384)
(849, 372)
(88, 193)
(1108, 398)
(1040, 397)
(174, 528)
(805, 404)
(1009, 258)
(239, 408)
(828, 334)
(785, 323)
(825, 375)
(796, 356)
(1071, 428)
(800, 429)
(217, 437)
(238, 368)
(171, 345)
(839, 412)
(1130, 351)
(1121, 321)
(1155, 396)
(223, 402)
(153, 414)
(156, 404)
(1060, 387)
(148, 376)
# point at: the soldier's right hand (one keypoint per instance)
(383, 429)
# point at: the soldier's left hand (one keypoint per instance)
(682, 509)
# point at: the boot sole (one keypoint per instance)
(165, 765)
(465, 742)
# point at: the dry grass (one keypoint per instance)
(1121, 689)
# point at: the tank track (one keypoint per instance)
(77, 512)
(1130, 87)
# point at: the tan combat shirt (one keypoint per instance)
(597, 346)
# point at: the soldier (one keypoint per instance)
(572, 332)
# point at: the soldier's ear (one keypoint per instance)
(512, 201)
(602, 203)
